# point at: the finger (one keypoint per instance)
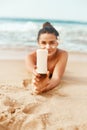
(34, 82)
(38, 91)
(34, 71)
(36, 74)
(35, 67)
(48, 73)
(36, 78)
(45, 88)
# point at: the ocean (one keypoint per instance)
(22, 32)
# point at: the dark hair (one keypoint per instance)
(47, 28)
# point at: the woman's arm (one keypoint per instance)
(60, 66)
(30, 62)
(57, 73)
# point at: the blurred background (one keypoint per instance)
(20, 21)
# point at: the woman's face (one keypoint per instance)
(48, 41)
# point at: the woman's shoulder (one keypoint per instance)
(31, 55)
(62, 53)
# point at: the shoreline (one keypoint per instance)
(15, 53)
(21, 52)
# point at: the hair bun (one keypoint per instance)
(48, 27)
(47, 24)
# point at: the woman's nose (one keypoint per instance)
(47, 46)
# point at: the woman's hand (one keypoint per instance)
(52, 83)
(43, 83)
(39, 81)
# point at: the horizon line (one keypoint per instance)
(44, 20)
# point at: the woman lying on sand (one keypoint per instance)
(56, 62)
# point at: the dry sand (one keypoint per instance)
(63, 108)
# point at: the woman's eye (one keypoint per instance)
(52, 42)
(43, 43)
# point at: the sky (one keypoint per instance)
(50, 9)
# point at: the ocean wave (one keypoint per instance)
(14, 32)
(11, 27)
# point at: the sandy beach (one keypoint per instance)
(63, 108)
